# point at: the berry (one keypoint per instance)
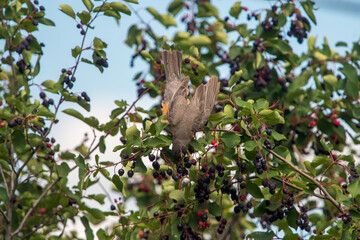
(336, 123)
(187, 60)
(130, 173)
(156, 165)
(42, 95)
(156, 214)
(121, 172)
(151, 157)
(312, 123)
(268, 131)
(169, 172)
(11, 124)
(112, 207)
(35, 22)
(48, 145)
(198, 214)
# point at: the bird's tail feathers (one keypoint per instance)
(172, 63)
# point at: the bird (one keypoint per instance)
(185, 117)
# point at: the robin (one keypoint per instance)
(185, 117)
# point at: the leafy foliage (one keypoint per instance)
(281, 135)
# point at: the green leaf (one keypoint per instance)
(277, 136)
(102, 146)
(140, 166)
(328, 146)
(254, 190)
(84, 16)
(261, 235)
(310, 168)
(3, 32)
(67, 9)
(74, 113)
(132, 1)
(199, 40)
(308, 7)
(235, 10)
(88, 230)
(331, 79)
(18, 139)
(63, 170)
(230, 139)
(271, 116)
(352, 82)
(234, 78)
(67, 156)
(76, 51)
(178, 195)
(214, 209)
(283, 152)
(120, 7)
(88, 4)
(118, 183)
(132, 132)
(354, 188)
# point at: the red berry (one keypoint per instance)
(141, 234)
(336, 123)
(0, 104)
(334, 115)
(142, 81)
(207, 224)
(213, 142)
(200, 223)
(204, 225)
(48, 145)
(245, 8)
(68, 72)
(206, 211)
(313, 123)
(339, 215)
(242, 197)
(237, 128)
(208, 29)
(198, 214)
(2, 124)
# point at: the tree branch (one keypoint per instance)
(304, 174)
(27, 215)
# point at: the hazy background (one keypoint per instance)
(337, 21)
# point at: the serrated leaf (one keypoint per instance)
(67, 9)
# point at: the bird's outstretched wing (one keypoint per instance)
(209, 96)
(172, 64)
(178, 103)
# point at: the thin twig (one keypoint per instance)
(27, 215)
(320, 186)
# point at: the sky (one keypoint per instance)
(337, 21)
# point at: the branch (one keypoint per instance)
(27, 215)
(118, 122)
(320, 186)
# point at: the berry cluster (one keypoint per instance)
(354, 174)
(260, 163)
(262, 77)
(68, 79)
(202, 217)
(297, 28)
(345, 217)
(222, 225)
(85, 97)
(303, 221)
(202, 189)
(102, 62)
(46, 102)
